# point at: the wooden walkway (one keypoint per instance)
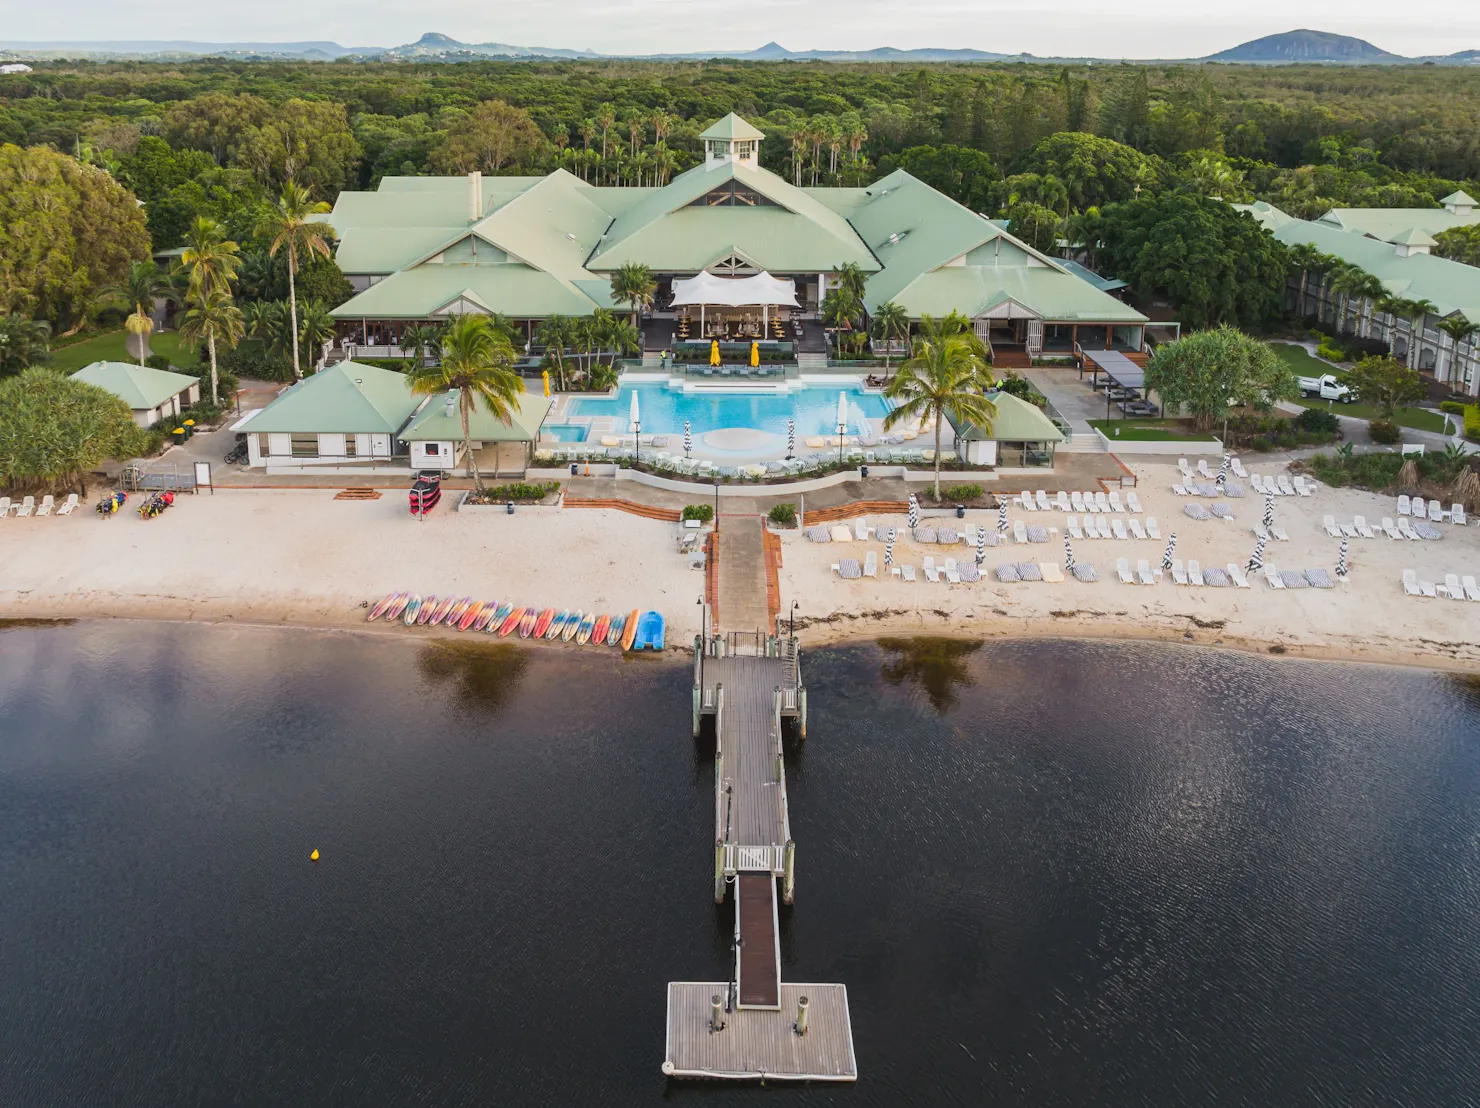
(758, 1044)
(759, 941)
(750, 808)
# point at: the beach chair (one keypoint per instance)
(1118, 526)
(1194, 572)
(1179, 574)
(1239, 471)
(1184, 467)
(908, 574)
(1404, 505)
(931, 573)
(47, 503)
(1019, 531)
(1123, 571)
(861, 529)
(1137, 531)
(1025, 498)
(1388, 528)
(1349, 530)
(1115, 504)
(1042, 501)
(1102, 502)
(1452, 586)
(1329, 522)
(1419, 508)
(28, 505)
(1280, 534)
(1272, 576)
(1180, 490)
(1236, 575)
(1407, 529)
(1410, 582)
(1258, 482)
(1436, 513)
(871, 565)
(1051, 572)
(1102, 525)
(1076, 501)
(1134, 503)
(1152, 529)
(69, 505)
(1360, 523)
(1301, 487)
(1286, 489)
(1457, 514)
(953, 575)
(1260, 532)
(4, 506)
(1143, 572)
(1428, 588)
(1202, 468)
(1061, 502)
(1090, 531)
(1472, 591)
(1072, 526)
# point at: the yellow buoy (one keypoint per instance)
(314, 857)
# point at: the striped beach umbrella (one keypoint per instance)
(1341, 566)
(1256, 559)
(688, 439)
(914, 513)
(791, 438)
(1166, 559)
(1068, 554)
(889, 550)
(981, 545)
(1268, 511)
(1002, 514)
(1223, 470)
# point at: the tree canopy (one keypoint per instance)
(1206, 372)
(1386, 383)
(1094, 170)
(53, 430)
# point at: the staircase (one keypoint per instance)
(646, 511)
(811, 362)
(1011, 357)
(1082, 442)
(652, 359)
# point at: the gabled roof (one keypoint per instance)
(1084, 273)
(1388, 223)
(138, 386)
(515, 290)
(433, 423)
(1017, 421)
(1413, 237)
(1458, 198)
(976, 290)
(347, 398)
(731, 128)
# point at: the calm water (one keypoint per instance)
(1051, 873)
(663, 410)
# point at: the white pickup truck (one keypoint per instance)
(1327, 388)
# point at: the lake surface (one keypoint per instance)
(1050, 873)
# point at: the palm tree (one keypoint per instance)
(23, 342)
(210, 258)
(315, 328)
(138, 325)
(288, 224)
(257, 317)
(634, 286)
(145, 282)
(1310, 260)
(942, 376)
(214, 318)
(889, 323)
(1418, 323)
(1350, 281)
(477, 364)
(555, 333)
(420, 338)
(1459, 329)
(842, 310)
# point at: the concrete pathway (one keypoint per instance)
(742, 573)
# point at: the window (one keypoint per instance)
(732, 194)
(349, 446)
(432, 449)
(304, 446)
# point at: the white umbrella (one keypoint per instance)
(1166, 559)
(688, 437)
(636, 419)
(842, 412)
(1341, 567)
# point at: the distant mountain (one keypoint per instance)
(145, 48)
(436, 47)
(1306, 46)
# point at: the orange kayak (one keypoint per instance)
(631, 631)
(511, 622)
(543, 624)
(598, 636)
(470, 615)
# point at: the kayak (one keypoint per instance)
(470, 615)
(481, 623)
(650, 632)
(442, 609)
(598, 633)
(614, 632)
(510, 622)
(557, 624)
(381, 608)
(542, 624)
(583, 634)
(413, 609)
(457, 611)
(526, 625)
(428, 606)
(499, 614)
(398, 607)
(572, 625)
(629, 633)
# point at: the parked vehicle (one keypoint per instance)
(1327, 388)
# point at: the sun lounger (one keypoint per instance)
(969, 572)
(1137, 531)
(931, 573)
(1144, 574)
(1404, 505)
(1428, 588)
(840, 533)
(871, 565)
(1202, 467)
(1103, 527)
(1457, 515)
(1260, 532)
(907, 573)
(1061, 502)
(1318, 578)
(1090, 530)
(952, 574)
(1280, 534)
(1041, 498)
(1360, 524)
(1152, 530)
(1222, 511)
(1301, 487)
(1072, 525)
(1084, 571)
(947, 536)
(1037, 534)
(1349, 530)
(1026, 500)
(1286, 489)
(28, 505)
(848, 569)
(1179, 573)
(1184, 467)
(4, 506)
(1329, 522)
(1102, 502)
(1257, 482)
(1134, 502)
(1239, 471)
(1051, 572)
(1410, 582)
(1452, 587)
(1272, 576)
(47, 503)
(1472, 591)
(69, 505)
(1388, 528)
(1029, 571)
(1436, 513)
(1180, 490)
(1123, 570)
(1234, 489)
(861, 530)
(1118, 526)
(1019, 531)
(1194, 572)
(1420, 508)
(1115, 504)
(1425, 530)
(1089, 503)
(1196, 511)
(1405, 526)
(1295, 579)
(1076, 501)
(1007, 572)
(1215, 578)
(1237, 576)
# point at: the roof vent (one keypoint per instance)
(570, 236)
(359, 380)
(895, 239)
(451, 406)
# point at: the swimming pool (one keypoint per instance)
(663, 410)
(566, 432)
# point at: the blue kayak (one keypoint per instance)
(649, 632)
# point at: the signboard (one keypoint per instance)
(203, 476)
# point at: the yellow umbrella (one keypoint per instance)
(714, 352)
(755, 354)
(546, 376)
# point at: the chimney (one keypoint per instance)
(475, 196)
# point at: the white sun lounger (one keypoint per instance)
(1471, 589)
(1194, 572)
(1076, 501)
(931, 573)
(1257, 481)
(861, 530)
(1137, 531)
(1103, 526)
(48, 502)
(1180, 490)
(1418, 508)
(1260, 532)
(1387, 528)
(1019, 531)
(1349, 530)
(907, 573)
(1061, 502)
(1236, 575)
(1152, 530)
(1404, 505)
(1118, 526)
(1123, 570)
(1102, 502)
(1115, 504)
(1090, 531)
(69, 505)
(1360, 523)
(1272, 576)
(1179, 574)
(1436, 513)
(871, 565)
(1072, 526)
(1051, 572)
(1329, 522)
(1144, 574)
(1184, 467)
(1134, 502)
(1042, 500)
(1301, 487)
(28, 505)
(1407, 529)
(1410, 582)
(1428, 588)
(1239, 471)
(1280, 534)
(953, 575)
(1286, 489)
(1202, 467)
(4, 506)
(1457, 515)
(1455, 589)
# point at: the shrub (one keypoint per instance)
(1384, 431)
(1262, 445)
(1453, 407)
(157, 361)
(963, 492)
(784, 515)
(1472, 421)
(520, 492)
(702, 512)
(1317, 421)
(1331, 352)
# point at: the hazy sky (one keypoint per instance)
(1098, 28)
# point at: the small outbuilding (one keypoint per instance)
(151, 394)
(1022, 435)
(346, 414)
(501, 449)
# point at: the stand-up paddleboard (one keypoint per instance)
(413, 609)
(500, 614)
(442, 609)
(542, 624)
(511, 621)
(457, 611)
(470, 615)
(614, 630)
(428, 606)
(583, 633)
(557, 625)
(381, 608)
(598, 633)
(489, 607)
(398, 607)
(650, 631)
(572, 625)
(526, 625)
(629, 633)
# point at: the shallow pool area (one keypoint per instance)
(566, 432)
(663, 410)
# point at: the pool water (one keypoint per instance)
(566, 432)
(663, 410)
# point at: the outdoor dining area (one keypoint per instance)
(735, 312)
(1123, 383)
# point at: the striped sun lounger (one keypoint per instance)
(1029, 571)
(1233, 488)
(819, 534)
(1215, 578)
(1083, 571)
(1319, 579)
(947, 536)
(1037, 534)
(1424, 531)
(1196, 511)
(1222, 511)
(1294, 579)
(925, 534)
(969, 572)
(849, 570)
(1007, 572)
(884, 534)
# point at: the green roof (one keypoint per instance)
(1084, 273)
(347, 398)
(1267, 215)
(1388, 223)
(1413, 237)
(731, 128)
(1017, 421)
(140, 387)
(1459, 198)
(434, 423)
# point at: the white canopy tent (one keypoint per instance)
(735, 292)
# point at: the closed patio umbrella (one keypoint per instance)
(1068, 554)
(1223, 470)
(1002, 514)
(981, 545)
(1256, 559)
(791, 438)
(688, 439)
(755, 354)
(914, 513)
(889, 550)
(1268, 511)
(714, 352)
(1166, 559)
(635, 417)
(1341, 566)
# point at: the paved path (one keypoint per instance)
(742, 573)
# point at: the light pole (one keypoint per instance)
(842, 430)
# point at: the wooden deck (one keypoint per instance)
(759, 946)
(760, 1044)
(750, 808)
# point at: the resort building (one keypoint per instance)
(1022, 436)
(151, 394)
(1400, 258)
(360, 417)
(422, 249)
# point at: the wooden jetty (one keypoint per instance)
(754, 1026)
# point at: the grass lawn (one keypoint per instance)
(1305, 365)
(110, 348)
(1301, 362)
(1146, 430)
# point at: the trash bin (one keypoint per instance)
(178, 436)
(960, 511)
(189, 426)
(574, 469)
(863, 472)
(510, 507)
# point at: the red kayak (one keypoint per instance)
(543, 623)
(511, 622)
(470, 615)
